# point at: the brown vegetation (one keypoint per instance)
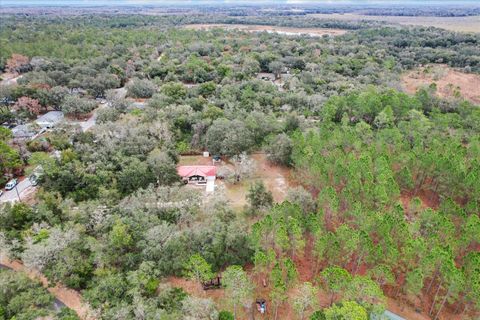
(449, 82)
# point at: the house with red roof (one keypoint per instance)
(197, 174)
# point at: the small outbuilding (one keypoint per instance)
(50, 119)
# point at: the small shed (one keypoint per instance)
(50, 119)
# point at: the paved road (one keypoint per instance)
(23, 187)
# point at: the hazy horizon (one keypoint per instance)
(119, 3)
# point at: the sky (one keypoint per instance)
(21, 3)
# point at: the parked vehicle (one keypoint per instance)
(11, 184)
(33, 179)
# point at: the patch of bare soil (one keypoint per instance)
(312, 32)
(429, 199)
(450, 83)
(277, 179)
(71, 298)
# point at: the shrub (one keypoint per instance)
(225, 315)
(139, 88)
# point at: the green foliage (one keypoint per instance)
(120, 237)
(259, 197)
(237, 286)
(110, 222)
(279, 150)
(347, 310)
(336, 280)
(139, 88)
(75, 106)
(225, 315)
(225, 137)
(198, 269)
(23, 298)
(9, 158)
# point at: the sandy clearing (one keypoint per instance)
(312, 32)
(449, 82)
(460, 24)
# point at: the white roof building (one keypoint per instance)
(50, 119)
(23, 131)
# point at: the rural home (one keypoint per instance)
(199, 175)
(50, 119)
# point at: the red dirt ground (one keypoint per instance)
(429, 199)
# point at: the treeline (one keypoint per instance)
(425, 11)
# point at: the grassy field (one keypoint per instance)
(461, 24)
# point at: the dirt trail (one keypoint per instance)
(71, 298)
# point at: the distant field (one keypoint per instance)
(462, 24)
(313, 32)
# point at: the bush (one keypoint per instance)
(75, 106)
(107, 115)
(139, 88)
(225, 315)
(38, 145)
(229, 138)
(279, 150)
(259, 196)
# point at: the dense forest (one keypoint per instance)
(387, 203)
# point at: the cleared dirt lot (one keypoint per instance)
(449, 82)
(461, 24)
(313, 32)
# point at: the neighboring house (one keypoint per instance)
(199, 175)
(23, 131)
(50, 119)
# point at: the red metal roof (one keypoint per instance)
(204, 171)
